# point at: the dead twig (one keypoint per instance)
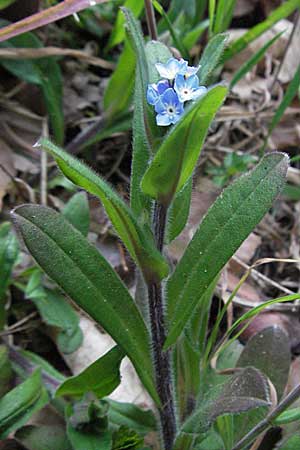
(36, 53)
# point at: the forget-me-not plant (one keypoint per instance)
(179, 84)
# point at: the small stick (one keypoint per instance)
(150, 16)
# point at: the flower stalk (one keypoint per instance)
(162, 359)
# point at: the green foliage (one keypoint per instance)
(118, 33)
(179, 211)
(77, 212)
(241, 43)
(5, 371)
(290, 93)
(291, 444)
(43, 437)
(139, 244)
(89, 280)
(227, 224)
(9, 252)
(101, 377)
(55, 311)
(223, 16)
(233, 164)
(44, 72)
(130, 416)
(118, 94)
(211, 57)
(5, 3)
(174, 162)
(253, 60)
(18, 405)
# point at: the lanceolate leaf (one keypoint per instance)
(79, 269)
(140, 245)
(175, 160)
(179, 211)
(227, 224)
(211, 56)
(77, 212)
(101, 377)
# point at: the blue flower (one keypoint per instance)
(155, 90)
(168, 108)
(172, 68)
(191, 70)
(188, 88)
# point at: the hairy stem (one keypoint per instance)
(162, 361)
(267, 422)
(151, 23)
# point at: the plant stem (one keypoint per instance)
(267, 422)
(162, 363)
(150, 16)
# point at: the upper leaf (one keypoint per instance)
(211, 56)
(227, 224)
(139, 244)
(79, 269)
(175, 160)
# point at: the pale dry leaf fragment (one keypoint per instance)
(97, 343)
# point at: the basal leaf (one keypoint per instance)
(77, 212)
(246, 390)
(174, 162)
(43, 437)
(269, 351)
(227, 224)
(18, 405)
(140, 245)
(101, 377)
(86, 277)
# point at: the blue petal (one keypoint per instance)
(163, 120)
(179, 108)
(180, 82)
(199, 92)
(170, 97)
(152, 94)
(162, 85)
(192, 82)
(171, 68)
(159, 106)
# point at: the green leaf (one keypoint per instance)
(192, 36)
(279, 13)
(293, 443)
(101, 377)
(124, 438)
(251, 62)
(179, 212)
(129, 415)
(139, 244)
(269, 351)
(89, 280)
(6, 373)
(118, 33)
(55, 311)
(211, 56)
(224, 15)
(18, 405)
(118, 94)
(9, 252)
(43, 437)
(6, 3)
(227, 224)
(290, 93)
(77, 212)
(44, 72)
(175, 160)
(246, 390)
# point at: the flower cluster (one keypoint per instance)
(178, 85)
